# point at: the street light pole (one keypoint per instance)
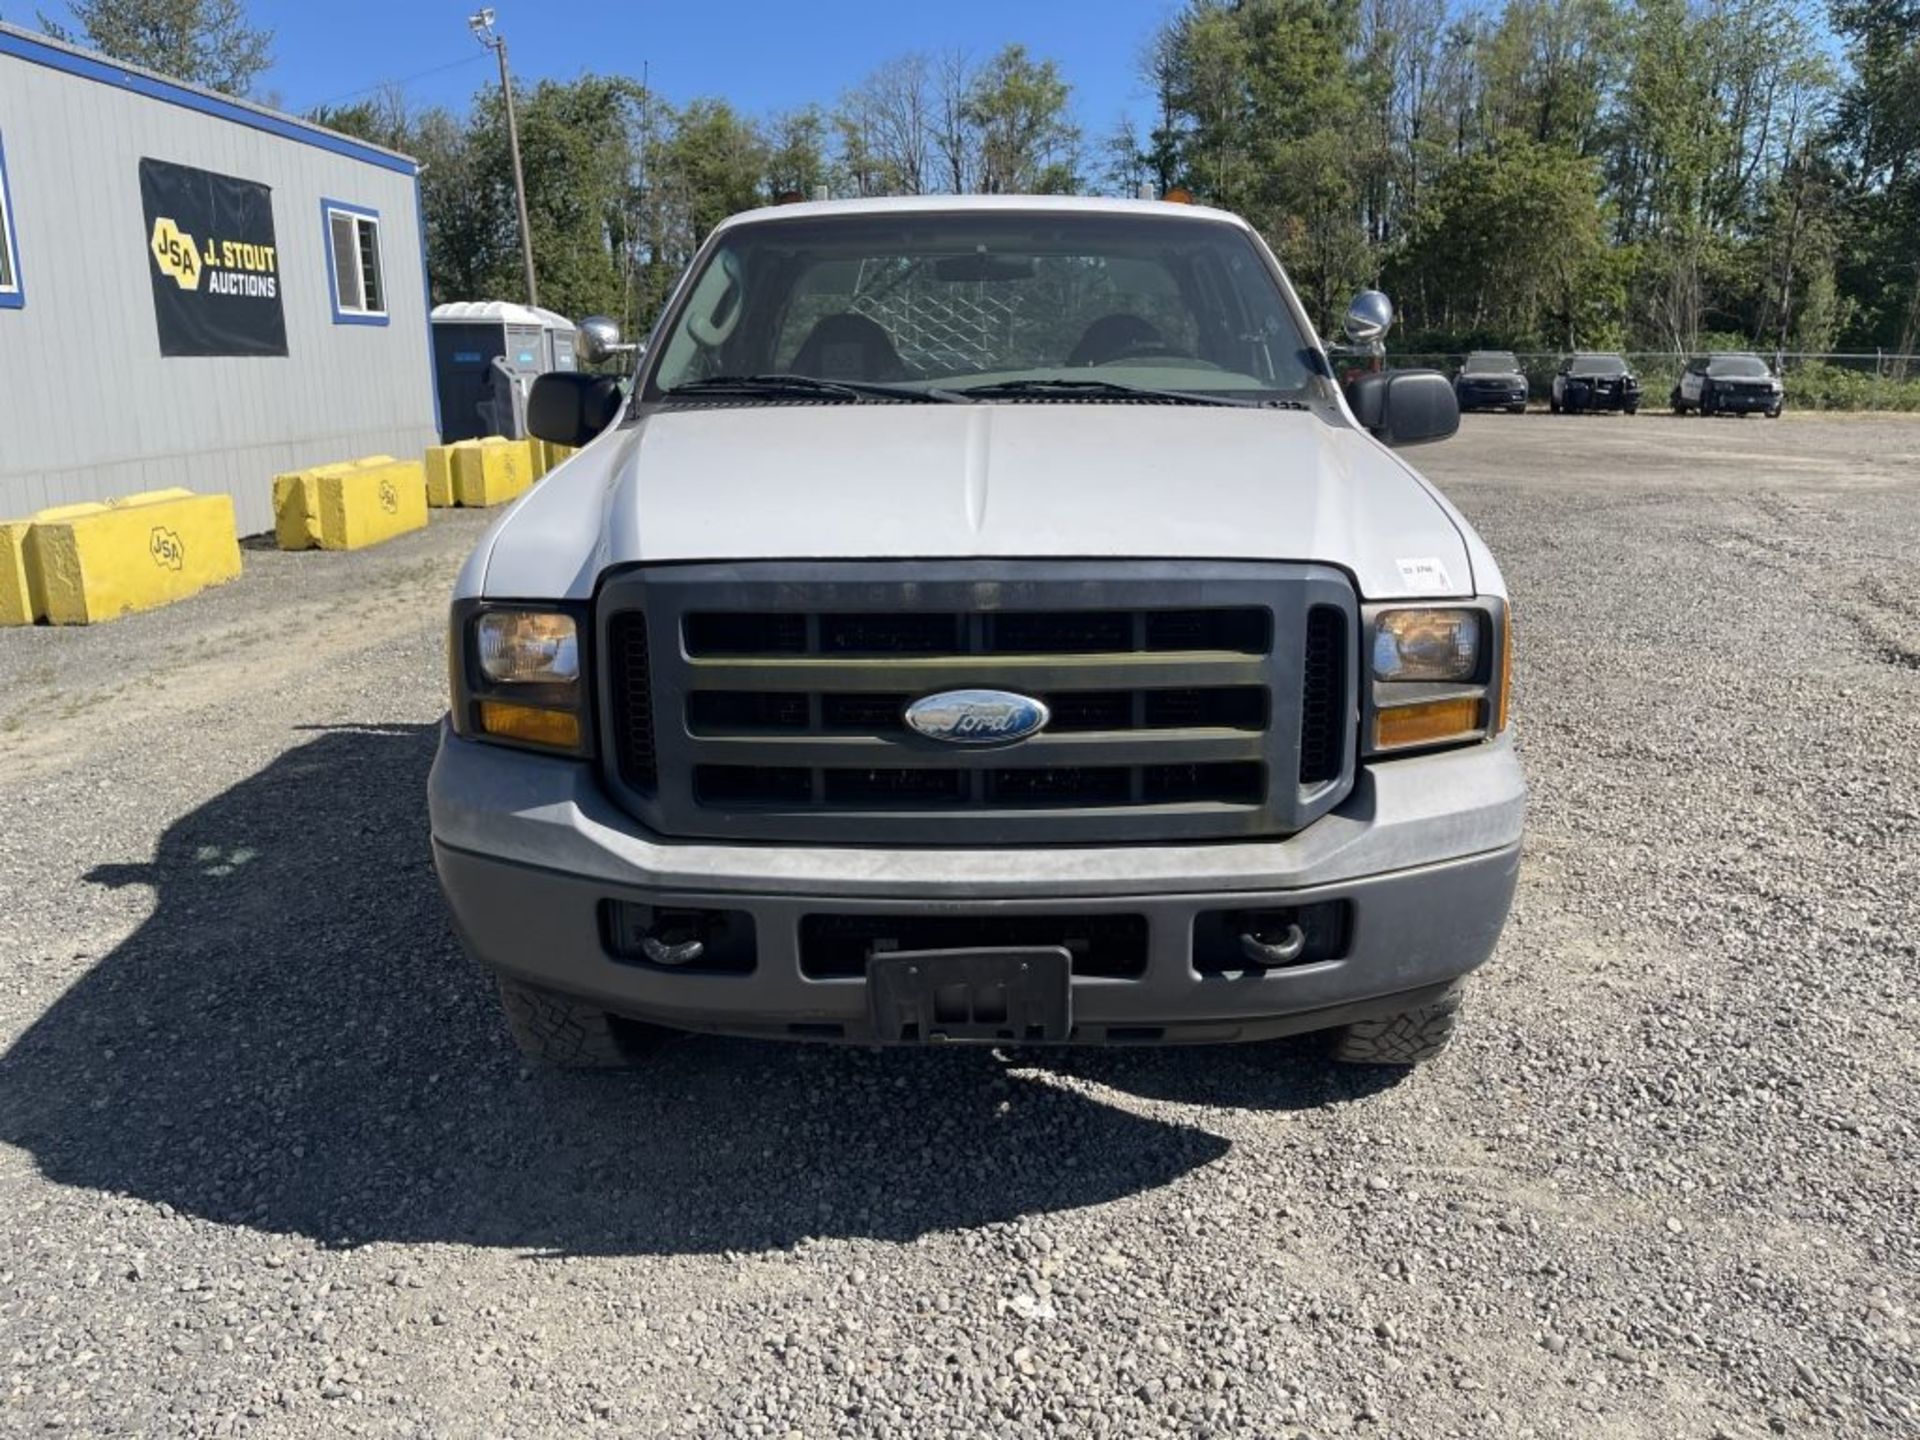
(482, 27)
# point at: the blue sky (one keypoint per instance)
(763, 55)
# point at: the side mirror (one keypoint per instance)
(1369, 317)
(568, 408)
(1405, 407)
(597, 338)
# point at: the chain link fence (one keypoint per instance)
(1833, 380)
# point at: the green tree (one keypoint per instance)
(204, 42)
(1016, 111)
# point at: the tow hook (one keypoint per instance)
(1283, 951)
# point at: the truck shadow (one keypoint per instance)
(294, 1042)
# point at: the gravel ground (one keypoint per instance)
(268, 1165)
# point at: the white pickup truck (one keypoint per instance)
(984, 620)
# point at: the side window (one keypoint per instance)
(12, 295)
(356, 276)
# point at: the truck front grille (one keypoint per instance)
(766, 702)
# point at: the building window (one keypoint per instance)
(12, 295)
(356, 278)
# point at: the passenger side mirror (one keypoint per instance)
(1369, 317)
(1405, 407)
(568, 408)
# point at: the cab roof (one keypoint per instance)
(983, 204)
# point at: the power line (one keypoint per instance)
(403, 81)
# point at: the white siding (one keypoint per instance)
(89, 408)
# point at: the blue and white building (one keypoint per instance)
(195, 290)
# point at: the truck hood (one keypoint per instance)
(994, 480)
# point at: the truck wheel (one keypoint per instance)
(1409, 1038)
(570, 1034)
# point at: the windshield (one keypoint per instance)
(958, 300)
(1598, 365)
(1491, 362)
(1739, 366)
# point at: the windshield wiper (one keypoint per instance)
(1040, 388)
(804, 385)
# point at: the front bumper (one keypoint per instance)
(1587, 397)
(1489, 397)
(1744, 401)
(1425, 853)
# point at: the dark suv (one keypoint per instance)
(1594, 382)
(1729, 385)
(1491, 380)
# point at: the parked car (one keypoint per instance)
(1594, 382)
(1732, 384)
(989, 621)
(1491, 380)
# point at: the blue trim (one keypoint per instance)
(16, 298)
(426, 306)
(90, 67)
(352, 317)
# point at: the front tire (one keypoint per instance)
(1516, 409)
(1553, 407)
(1411, 1037)
(568, 1034)
(1679, 407)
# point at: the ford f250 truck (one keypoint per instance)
(982, 620)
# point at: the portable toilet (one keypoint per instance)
(486, 354)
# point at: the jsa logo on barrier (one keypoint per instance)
(166, 549)
(176, 253)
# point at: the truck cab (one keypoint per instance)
(982, 620)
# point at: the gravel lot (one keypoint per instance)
(268, 1165)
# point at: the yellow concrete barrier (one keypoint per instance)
(17, 606)
(88, 563)
(350, 505)
(439, 464)
(491, 472)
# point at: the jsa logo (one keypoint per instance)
(176, 254)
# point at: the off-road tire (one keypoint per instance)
(570, 1034)
(1411, 1037)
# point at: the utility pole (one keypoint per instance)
(482, 27)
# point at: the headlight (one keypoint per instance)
(517, 676)
(1427, 645)
(1440, 676)
(528, 647)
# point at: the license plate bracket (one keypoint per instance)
(991, 994)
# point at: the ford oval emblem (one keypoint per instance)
(977, 717)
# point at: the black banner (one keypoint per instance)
(215, 267)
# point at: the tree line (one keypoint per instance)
(1645, 174)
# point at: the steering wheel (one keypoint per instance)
(1142, 349)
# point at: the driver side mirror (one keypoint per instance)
(1405, 407)
(568, 408)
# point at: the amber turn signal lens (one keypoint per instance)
(1400, 726)
(557, 728)
(1501, 703)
